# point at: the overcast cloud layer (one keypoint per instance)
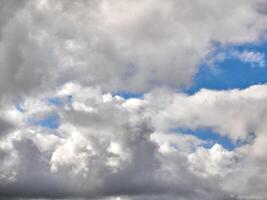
(68, 132)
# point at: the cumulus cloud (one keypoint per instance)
(235, 113)
(110, 147)
(69, 59)
(107, 151)
(119, 45)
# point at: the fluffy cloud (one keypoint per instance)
(235, 113)
(68, 59)
(107, 146)
(119, 45)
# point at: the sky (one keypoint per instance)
(133, 99)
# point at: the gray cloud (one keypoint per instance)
(107, 147)
(118, 45)
(5, 127)
(8, 9)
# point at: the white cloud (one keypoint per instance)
(119, 151)
(114, 148)
(215, 161)
(125, 45)
(254, 58)
(235, 113)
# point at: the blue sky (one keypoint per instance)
(227, 74)
(231, 73)
(51, 121)
(208, 135)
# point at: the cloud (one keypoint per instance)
(8, 10)
(106, 146)
(118, 45)
(234, 113)
(5, 127)
(110, 147)
(253, 58)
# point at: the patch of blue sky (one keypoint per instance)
(128, 95)
(208, 135)
(20, 108)
(69, 100)
(51, 121)
(56, 101)
(60, 101)
(231, 71)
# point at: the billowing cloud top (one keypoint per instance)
(93, 102)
